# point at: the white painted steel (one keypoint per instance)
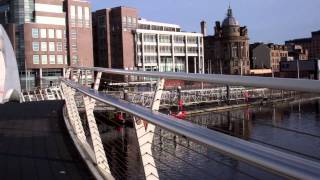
(9, 75)
(145, 134)
(284, 164)
(302, 85)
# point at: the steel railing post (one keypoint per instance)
(73, 113)
(98, 148)
(145, 134)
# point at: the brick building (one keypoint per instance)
(47, 36)
(268, 56)
(311, 44)
(227, 51)
(123, 40)
(113, 37)
(297, 52)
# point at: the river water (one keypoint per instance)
(291, 127)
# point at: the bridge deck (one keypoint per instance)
(34, 143)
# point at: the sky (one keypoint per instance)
(267, 20)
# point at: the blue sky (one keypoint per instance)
(267, 20)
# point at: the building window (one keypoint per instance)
(59, 34)
(73, 12)
(129, 19)
(43, 33)
(75, 59)
(151, 59)
(165, 39)
(87, 16)
(150, 49)
(193, 50)
(74, 47)
(179, 49)
(192, 40)
(179, 39)
(134, 21)
(35, 59)
(51, 47)
(52, 59)
(234, 52)
(80, 21)
(35, 33)
(51, 33)
(165, 49)
(73, 34)
(124, 20)
(35, 46)
(150, 38)
(44, 59)
(59, 59)
(59, 46)
(44, 46)
(66, 59)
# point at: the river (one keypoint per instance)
(293, 127)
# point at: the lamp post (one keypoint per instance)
(298, 69)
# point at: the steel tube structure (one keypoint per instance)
(274, 161)
(301, 85)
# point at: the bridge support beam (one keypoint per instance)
(145, 134)
(98, 149)
(73, 113)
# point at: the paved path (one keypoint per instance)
(34, 143)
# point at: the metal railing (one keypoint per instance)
(274, 161)
(302, 85)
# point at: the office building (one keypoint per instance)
(48, 36)
(123, 40)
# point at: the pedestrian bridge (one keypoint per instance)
(50, 119)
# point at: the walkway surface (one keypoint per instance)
(34, 143)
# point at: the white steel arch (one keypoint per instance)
(9, 76)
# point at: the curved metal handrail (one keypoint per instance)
(275, 161)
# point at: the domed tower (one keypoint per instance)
(229, 49)
(230, 26)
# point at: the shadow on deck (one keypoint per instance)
(35, 144)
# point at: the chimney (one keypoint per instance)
(204, 28)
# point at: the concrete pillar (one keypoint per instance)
(173, 54)
(195, 65)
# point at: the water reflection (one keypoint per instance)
(292, 127)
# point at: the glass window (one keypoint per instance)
(43, 33)
(44, 59)
(52, 59)
(79, 12)
(35, 33)
(59, 59)
(59, 46)
(51, 46)
(51, 33)
(73, 34)
(73, 11)
(59, 34)
(129, 19)
(74, 47)
(44, 46)
(124, 19)
(35, 59)
(74, 59)
(35, 46)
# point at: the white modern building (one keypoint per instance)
(164, 47)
